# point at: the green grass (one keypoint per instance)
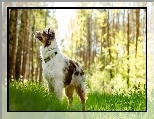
(34, 97)
(116, 102)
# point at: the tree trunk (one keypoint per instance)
(25, 42)
(12, 42)
(109, 43)
(128, 50)
(19, 48)
(137, 28)
(88, 42)
(32, 48)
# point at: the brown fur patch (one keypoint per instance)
(81, 73)
(49, 38)
(70, 70)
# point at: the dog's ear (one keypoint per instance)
(51, 34)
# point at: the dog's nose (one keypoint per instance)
(36, 33)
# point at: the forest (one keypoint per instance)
(109, 43)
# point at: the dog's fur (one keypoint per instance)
(60, 71)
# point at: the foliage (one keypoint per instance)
(101, 78)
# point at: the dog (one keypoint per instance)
(60, 71)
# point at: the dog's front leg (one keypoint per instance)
(58, 87)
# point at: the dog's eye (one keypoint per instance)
(40, 38)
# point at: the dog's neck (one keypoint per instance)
(47, 52)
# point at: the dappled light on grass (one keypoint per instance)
(33, 97)
(116, 102)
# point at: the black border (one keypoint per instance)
(8, 81)
(68, 8)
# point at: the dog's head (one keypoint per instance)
(46, 36)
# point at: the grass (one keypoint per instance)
(34, 97)
(117, 102)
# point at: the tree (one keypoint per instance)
(25, 43)
(19, 48)
(137, 28)
(128, 44)
(12, 41)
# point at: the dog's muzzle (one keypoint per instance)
(37, 35)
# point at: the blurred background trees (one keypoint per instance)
(24, 55)
(109, 43)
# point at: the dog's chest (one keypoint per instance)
(53, 69)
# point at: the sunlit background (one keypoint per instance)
(109, 43)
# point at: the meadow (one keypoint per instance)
(35, 97)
